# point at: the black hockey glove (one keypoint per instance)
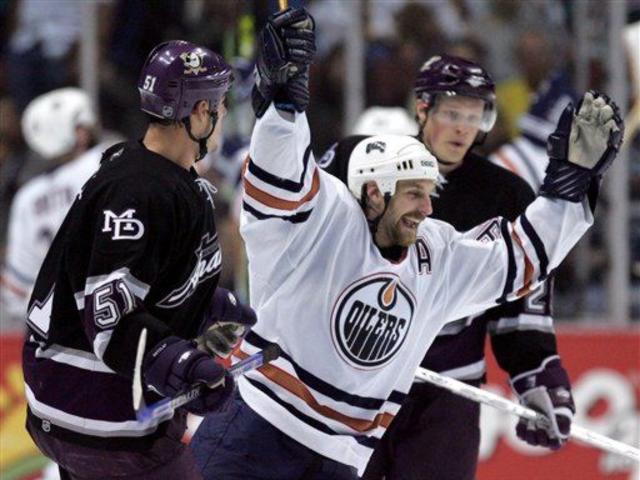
(285, 51)
(175, 364)
(582, 148)
(225, 323)
(548, 391)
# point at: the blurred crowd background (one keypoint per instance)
(524, 45)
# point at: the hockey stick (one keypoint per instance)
(164, 407)
(488, 398)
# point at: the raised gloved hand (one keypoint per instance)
(175, 364)
(548, 391)
(225, 322)
(286, 49)
(582, 147)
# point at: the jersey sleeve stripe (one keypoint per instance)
(299, 217)
(528, 267)
(537, 245)
(282, 183)
(524, 321)
(511, 268)
(278, 203)
(299, 389)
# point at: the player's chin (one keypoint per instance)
(406, 237)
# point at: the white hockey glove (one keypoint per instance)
(582, 147)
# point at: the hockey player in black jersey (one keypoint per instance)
(436, 433)
(138, 250)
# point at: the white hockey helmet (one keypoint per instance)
(49, 122)
(385, 120)
(386, 159)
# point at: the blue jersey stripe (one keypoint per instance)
(282, 183)
(299, 217)
(511, 269)
(537, 245)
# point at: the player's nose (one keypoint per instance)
(426, 208)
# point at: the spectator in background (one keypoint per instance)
(41, 48)
(536, 56)
(60, 126)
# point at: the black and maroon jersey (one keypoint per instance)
(521, 332)
(138, 249)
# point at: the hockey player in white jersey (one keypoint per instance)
(61, 126)
(354, 283)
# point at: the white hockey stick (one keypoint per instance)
(488, 398)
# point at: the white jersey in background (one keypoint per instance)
(525, 158)
(526, 155)
(37, 211)
(352, 325)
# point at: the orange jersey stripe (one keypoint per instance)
(300, 390)
(528, 267)
(279, 203)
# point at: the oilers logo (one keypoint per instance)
(371, 319)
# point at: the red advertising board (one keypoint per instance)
(604, 367)
(605, 371)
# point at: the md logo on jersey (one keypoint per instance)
(123, 226)
(208, 264)
(371, 319)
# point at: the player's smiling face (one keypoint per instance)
(409, 205)
(451, 128)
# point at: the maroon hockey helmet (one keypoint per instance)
(177, 74)
(448, 75)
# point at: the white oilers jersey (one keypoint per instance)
(525, 158)
(37, 212)
(352, 325)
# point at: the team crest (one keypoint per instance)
(371, 319)
(193, 62)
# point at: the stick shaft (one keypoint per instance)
(283, 4)
(488, 398)
(167, 405)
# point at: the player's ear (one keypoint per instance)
(375, 199)
(422, 109)
(201, 109)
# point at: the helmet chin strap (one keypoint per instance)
(202, 142)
